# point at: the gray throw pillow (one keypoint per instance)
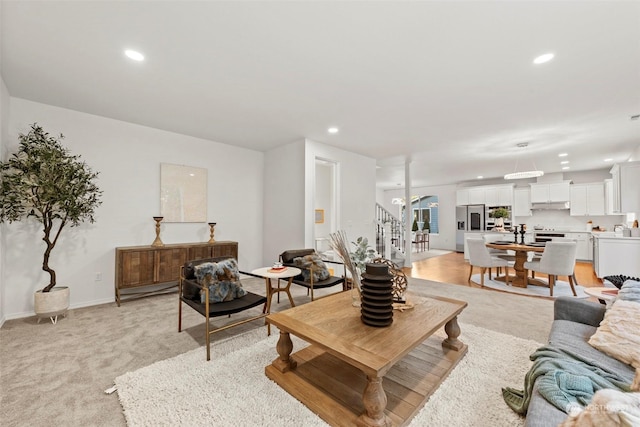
(313, 262)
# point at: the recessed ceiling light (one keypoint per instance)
(480, 176)
(136, 56)
(543, 58)
(564, 162)
(332, 130)
(608, 160)
(564, 168)
(563, 155)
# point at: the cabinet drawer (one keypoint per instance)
(135, 268)
(225, 249)
(169, 262)
(200, 252)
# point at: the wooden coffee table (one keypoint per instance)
(354, 374)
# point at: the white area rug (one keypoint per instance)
(562, 288)
(232, 389)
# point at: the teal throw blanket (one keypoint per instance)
(566, 379)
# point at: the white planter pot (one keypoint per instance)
(51, 304)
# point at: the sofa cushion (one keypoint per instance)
(287, 257)
(630, 291)
(618, 280)
(608, 407)
(541, 413)
(574, 337)
(222, 278)
(619, 332)
(313, 263)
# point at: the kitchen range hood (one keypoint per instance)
(550, 206)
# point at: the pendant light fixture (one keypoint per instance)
(534, 173)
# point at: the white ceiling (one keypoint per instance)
(450, 84)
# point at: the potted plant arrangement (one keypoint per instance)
(355, 262)
(43, 181)
(499, 214)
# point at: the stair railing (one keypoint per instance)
(395, 232)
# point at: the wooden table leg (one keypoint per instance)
(520, 280)
(375, 401)
(284, 363)
(453, 332)
(288, 291)
(269, 294)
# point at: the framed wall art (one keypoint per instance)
(183, 193)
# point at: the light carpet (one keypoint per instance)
(561, 289)
(232, 388)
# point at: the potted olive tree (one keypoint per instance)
(43, 181)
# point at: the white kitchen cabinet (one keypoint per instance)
(587, 199)
(490, 195)
(626, 196)
(522, 202)
(498, 195)
(505, 195)
(462, 197)
(616, 256)
(476, 196)
(584, 249)
(550, 193)
(608, 197)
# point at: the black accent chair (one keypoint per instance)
(189, 291)
(287, 258)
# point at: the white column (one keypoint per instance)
(408, 220)
(387, 239)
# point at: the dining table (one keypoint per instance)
(521, 278)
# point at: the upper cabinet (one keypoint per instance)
(626, 196)
(587, 199)
(462, 197)
(499, 195)
(550, 193)
(522, 202)
(490, 195)
(476, 196)
(608, 197)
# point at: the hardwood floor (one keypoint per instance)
(452, 268)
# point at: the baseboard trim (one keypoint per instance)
(22, 315)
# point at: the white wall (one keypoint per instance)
(4, 130)
(356, 191)
(128, 157)
(284, 189)
(324, 189)
(290, 195)
(635, 156)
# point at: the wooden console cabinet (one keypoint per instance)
(138, 266)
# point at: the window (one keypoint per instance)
(425, 212)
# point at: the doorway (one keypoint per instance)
(325, 202)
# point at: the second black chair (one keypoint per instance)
(315, 274)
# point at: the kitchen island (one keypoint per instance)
(615, 255)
